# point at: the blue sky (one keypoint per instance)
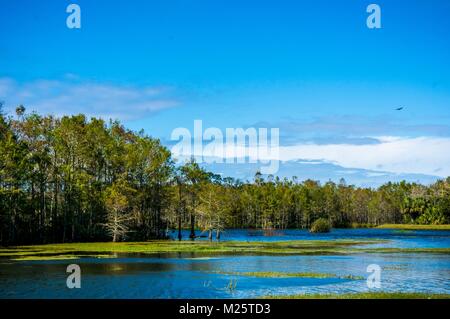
(311, 68)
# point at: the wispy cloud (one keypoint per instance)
(72, 96)
(397, 155)
(380, 143)
(421, 155)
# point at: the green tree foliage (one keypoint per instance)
(321, 225)
(62, 180)
(78, 179)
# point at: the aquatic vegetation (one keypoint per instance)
(57, 257)
(274, 274)
(60, 257)
(152, 247)
(395, 267)
(204, 249)
(231, 286)
(365, 295)
(387, 250)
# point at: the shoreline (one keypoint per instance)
(414, 227)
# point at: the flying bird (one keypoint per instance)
(399, 109)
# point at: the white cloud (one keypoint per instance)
(422, 155)
(71, 96)
(399, 155)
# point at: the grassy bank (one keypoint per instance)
(298, 247)
(365, 295)
(75, 250)
(415, 227)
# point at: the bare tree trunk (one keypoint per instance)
(180, 210)
(179, 227)
(218, 235)
(55, 210)
(115, 228)
(192, 235)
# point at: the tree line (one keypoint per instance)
(73, 179)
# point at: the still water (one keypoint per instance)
(197, 276)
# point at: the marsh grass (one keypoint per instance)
(388, 250)
(40, 252)
(60, 257)
(204, 249)
(365, 295)
(232, 285)
(274, 274)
